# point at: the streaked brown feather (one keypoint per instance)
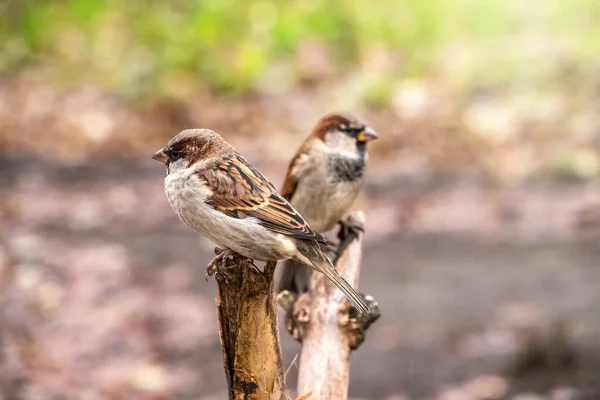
(291, 178)
(240, 191)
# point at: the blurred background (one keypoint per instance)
(482, 194)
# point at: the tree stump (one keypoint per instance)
(248, 328)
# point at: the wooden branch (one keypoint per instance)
(327, 325)
(249, 332)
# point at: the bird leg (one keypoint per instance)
(220, 260)
(350, 229)
(349, 226)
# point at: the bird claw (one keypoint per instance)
(350, 229)
(219, 262)
(350, 226)
(249, 263)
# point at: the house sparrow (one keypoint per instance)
(218, 193)
(323, 180)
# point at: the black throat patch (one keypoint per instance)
(347, 168)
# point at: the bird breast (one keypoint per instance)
(327, 187)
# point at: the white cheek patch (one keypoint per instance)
(176, 166)
(341, 143)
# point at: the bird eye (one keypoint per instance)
(175, 155)
(351, 129)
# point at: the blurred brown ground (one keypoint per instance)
(483, 256)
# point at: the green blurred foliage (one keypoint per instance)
(140, 47)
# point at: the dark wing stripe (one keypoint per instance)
(303, 234)
(283, 211)
(245, 177)
(291, 213)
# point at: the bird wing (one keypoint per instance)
(240, 191)
(291, 178)
(298, 166)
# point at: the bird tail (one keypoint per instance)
(312, 255)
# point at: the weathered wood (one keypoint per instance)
(327, 325)
(247, 317)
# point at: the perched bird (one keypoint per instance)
(324, 179)
(218, 193)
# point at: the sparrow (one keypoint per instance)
(324, 179)
(215, 191)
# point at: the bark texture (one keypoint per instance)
(247, 317)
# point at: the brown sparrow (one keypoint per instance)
(324, 179)
(218, 193)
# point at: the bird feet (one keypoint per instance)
(218, 265)
(350, 226)
(350, 229)
(219, 261)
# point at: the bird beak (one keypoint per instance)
(367, 135)
(161, 156)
